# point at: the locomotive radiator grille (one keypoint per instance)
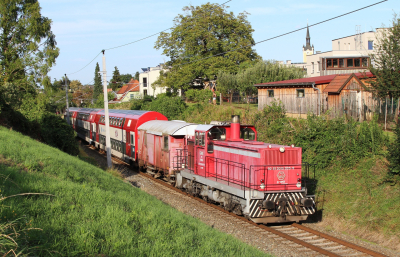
(256, 210)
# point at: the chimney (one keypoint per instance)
(235, 128)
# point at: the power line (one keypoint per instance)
(86, 64)
(281, 35)
(130, 44)
(150, 35)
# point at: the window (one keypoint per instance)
(202, 141)
(210, 147)
(144, 92)
(312, 67)
(364, 62)
(350, 63)
(197, 138)
(131, 96)
(217, 133)
(247, 134)
(341, 63)
(357, 62)
(318, 68)
(270, 93)
(335, 63)
(165, 142)
(329, 63)
(300, 93)
(144, 82)
(132, 141)
(370, 45)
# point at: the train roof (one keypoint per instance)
(175, 128)
(127, 112)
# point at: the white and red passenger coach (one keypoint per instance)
(221, 162)
(90, 126)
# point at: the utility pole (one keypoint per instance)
(107, 117)
(66, 93)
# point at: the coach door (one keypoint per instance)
(94, 131)
(200, 153)
(132, 134)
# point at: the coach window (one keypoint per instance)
(165, 142)
(270, 93)
(300, 93)
(197, 138)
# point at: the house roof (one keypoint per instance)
(309, 81)
(339, 82)
(131, 86)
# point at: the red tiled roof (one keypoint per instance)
(132, 86)
(317, 80)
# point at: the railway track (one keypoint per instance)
(309, 242)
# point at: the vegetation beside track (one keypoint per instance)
(358, 194)
(90, 212)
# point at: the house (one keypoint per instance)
(349, 54)
(147, 78)
(129, 91)
(340, 94)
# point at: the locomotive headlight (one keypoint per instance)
(282, 149)
(262, 186)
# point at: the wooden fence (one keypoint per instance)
(360, 106)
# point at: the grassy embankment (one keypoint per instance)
(359, 197)
(90, 212)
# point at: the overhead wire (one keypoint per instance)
(130, 44)
(284, 34)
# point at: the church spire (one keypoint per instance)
(308, 37)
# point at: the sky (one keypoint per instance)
(84, 27)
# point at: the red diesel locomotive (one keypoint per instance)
(221, 162)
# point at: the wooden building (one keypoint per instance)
(340, 94)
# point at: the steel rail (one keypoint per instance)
(339, 241)
(263, 227)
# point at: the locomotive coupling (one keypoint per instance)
(307, 202)
(267, 204)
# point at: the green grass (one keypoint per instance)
(362, 199)
(93, 213)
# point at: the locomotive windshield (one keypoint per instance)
(247, 134)
(217, 133)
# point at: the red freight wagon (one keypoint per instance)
(159, 143)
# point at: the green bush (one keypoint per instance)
(57, 133)
(33, 118)
(199, 95)
(394, 153)
(171, 107)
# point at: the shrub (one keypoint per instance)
(394, 153)
(198, 95)
(171, 107)
(57, 133)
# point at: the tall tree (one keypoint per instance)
(98, 88)
(27, 44)
(385, 60)
(116, 79)
(137, 76)
(204, 40)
